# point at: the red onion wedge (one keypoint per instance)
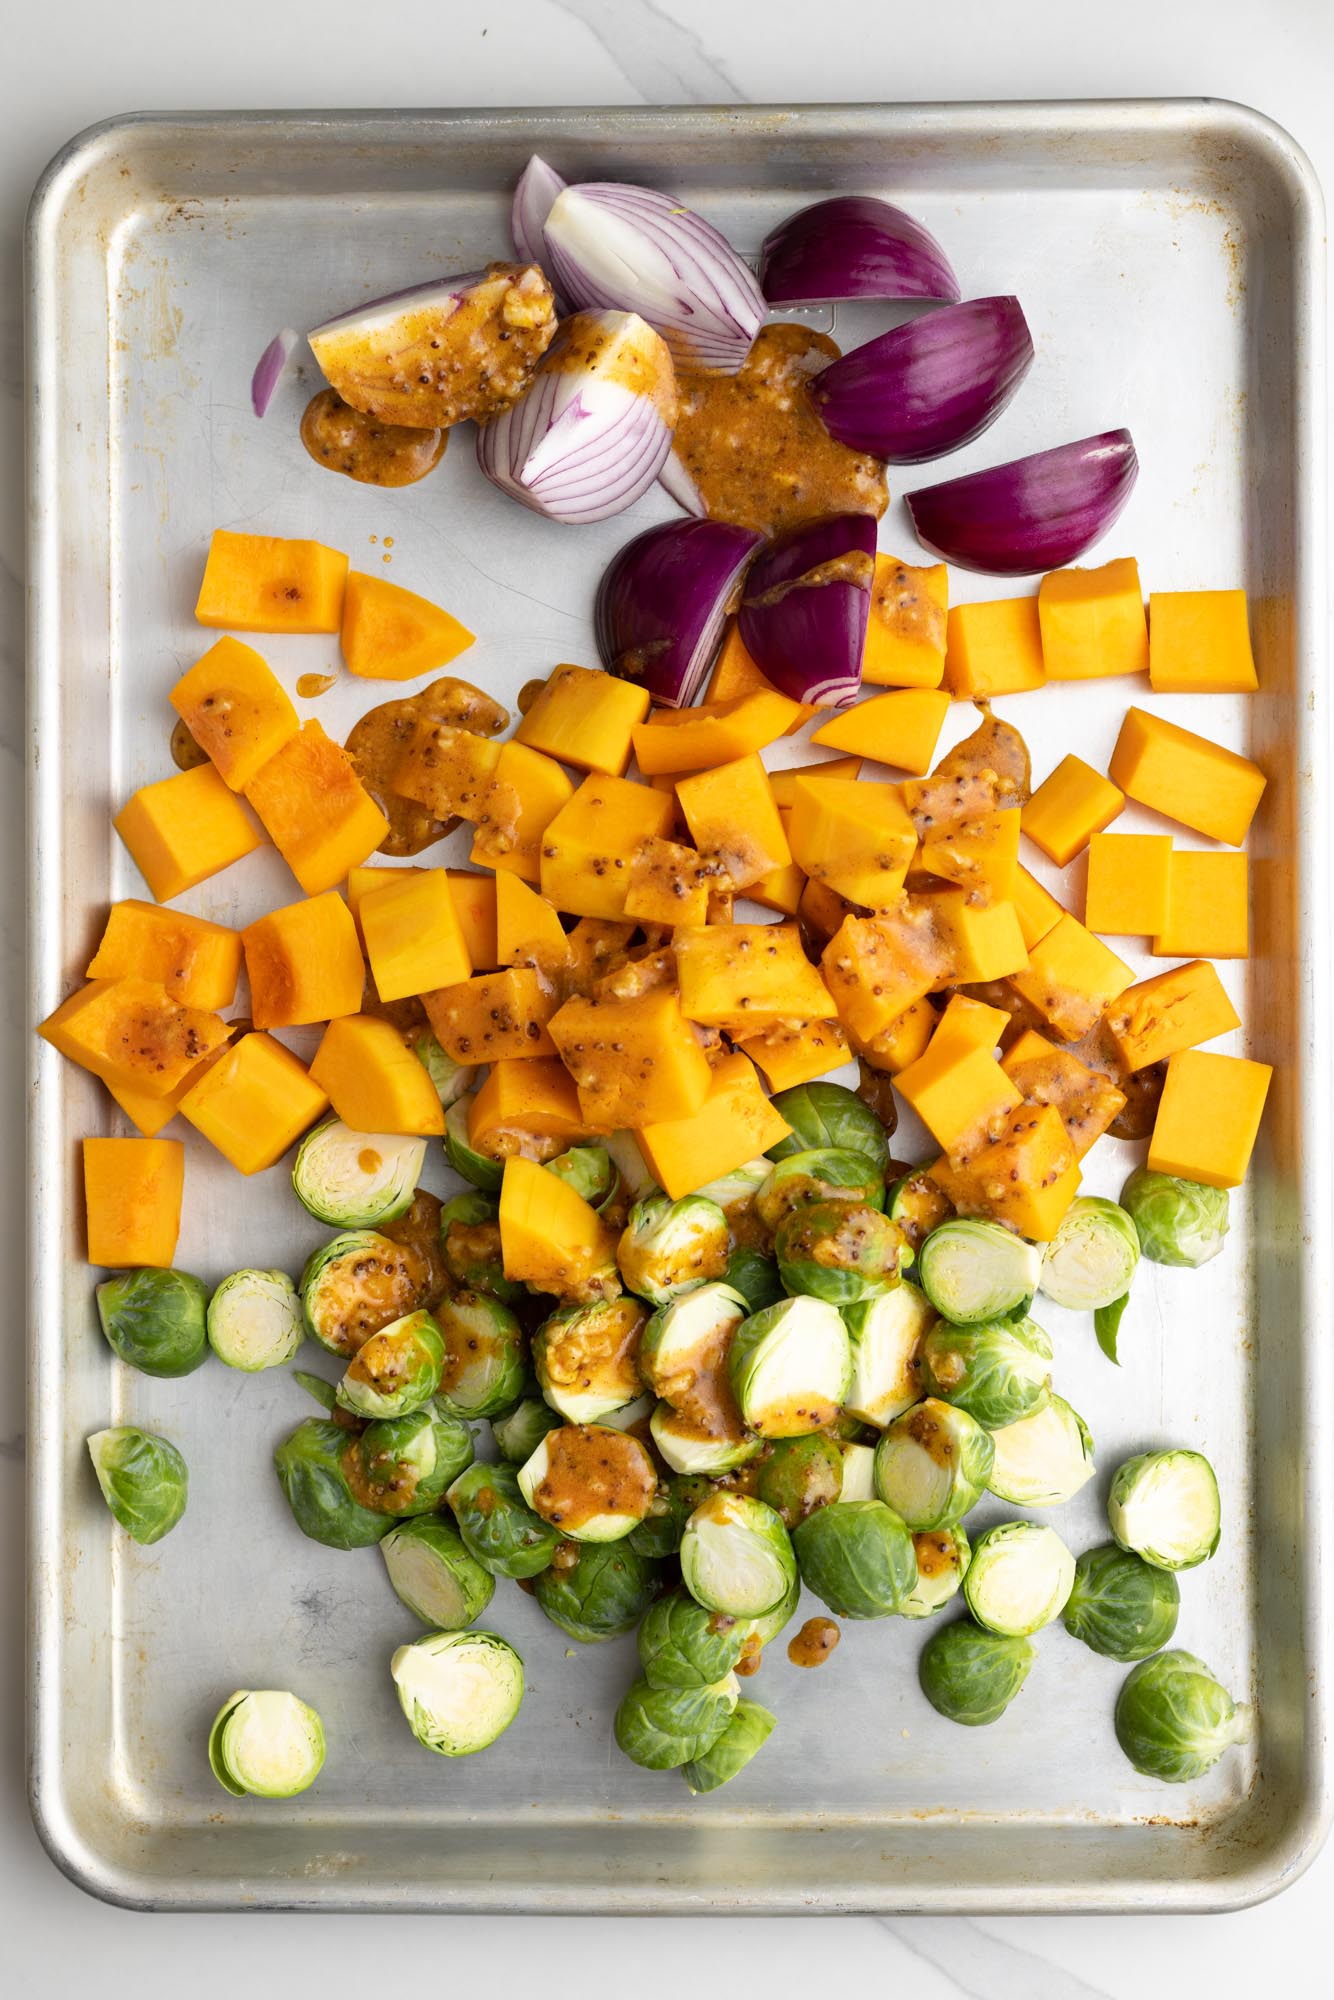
(538, 187)
(594, 428)
(1032, 514)
(640, 251)
(927, 387)
(853, 247)
(663, 601)
(803, 615)
(270, 368)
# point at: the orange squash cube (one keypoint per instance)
(901, 728)
(735, 673)
(735, 1123)
(1208, 908)
(588, 847)
(1208, 1117)
(526, 1101)
(633, 1060)
(132, 1191)
(374, 1081)
(1036, 908)
(1070, 805)
(1086, 1101)
(741, 977)
(197, 962)
(1071, 977)
(304, 963)
(695, 739)
(783, 784)
(412, 934)
(254, 1102)
(391, 634)
(550, 1237)
(1186, 777)
(261, 583)
(493, 1016)
(525, 793)
(131, 1033)
(1128, 878)
(148, 1114)
(969, 1024)
(1200, 643)
(1172, 1011)
(237, 710)
(1093, 622)
(960, 1093)
(733, 820)
(905, 631)
(787, 1055)
(316, 810)
(875, 967)
(668, 884)
(1026, 1179)
(370, 876)
(528, 930)
(782, 889)
(983, 941)
(475, 900)
(184, 829)
(979, 852)
(903, 1040)
(857, 837)
(447, 769)
(586, 718)
(993, 648)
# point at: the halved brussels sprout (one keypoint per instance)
(942, 1557)
(973, 1271)
(144, 1480)
(1164, 1506)
(886, 1336)
(857, 1557)
(449, 1078)
(690, 1447)
(738, 1188)
(1121, 1606)
(155, 1320)
(800, 1474)
(763, 1629)
(755, 1276)
(736, 1557)
(588, 1170)
(498, 1526)
(682, 1645)
(917, 1205)
(593, 1483)
(1092, 1257)
(818, 1173)
(357, 1283)
(266, 1743)
(310, 1471)
(433, 1574)
(396, 1371)
(932, 1464)
(470, 1246)
(970, 1675)
(356, 1179)
(747, 1731)
(999, 1370)
(469, 1165)
(458, 1690)
(789, 1367)
(1177, 1221)
(1174, 1720)
(631, 1416)
(405, 1465)
(1019, 1578)
(254, 1320)
(663, 1728)
(520, 1431)
(829, 1114)
(604, 1593)
(840, 1251)
(858, 1471)
(485, 1355)
(669, 1247)
(1044, 1459)
(587, 1358)
(637, 1178)
(683, 1356)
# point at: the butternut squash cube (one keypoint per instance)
(1208, 1117)
(550, 1238)
(969, 1024)
(149, 1114)
(783, 784)
(857, 837)
(1093, 622)
(493, 1016)
(197, 962)
(668, 884)
(475, 900)
(1036, 908)
(413, 938)
(132, 1190)
(374, 1081)
(788, 1055)
(1071, 977)
(1086, 1101)
(902, 728)
(735, 673)
(1208, 908)
(744, 977)
(905, 632)
(528, 930)
(982, 941)
(1186, 777)
(586, 718)
(261, 583)
(596, 947)
(254, 1102)
(903, 1041)
(304, 963)
(447, 769)
(633, 1060)
(733, 820)
(370, 876)
(782, 889)
(735, 1123)
(980, 853)
(1171, 1011)
(1200, 643)
(316, 810)
(526, 792)
(184, 829)
(523, 1101)
(391, 634)
(960, 1093)
(1128, 876)
(237, 710)
(1026, 1179)
(695, 739)
(131, 1033)
(875, 967)
(993, 648)
(587, 848)
(1068, 808)
(821, 911)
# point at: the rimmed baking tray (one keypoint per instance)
(1169, 256)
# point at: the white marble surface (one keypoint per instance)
(67, 66)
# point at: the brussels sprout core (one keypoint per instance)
(266, 1742)
(1043, 1459)
(1164, 1506)
(356, 1179)
(932, 1464)
(667, 1247)
(1019, 1578)
(970, 1675)
(254, 1320)
(593, 1483)
(1092, 1257)
(1177, 1222)
(144, 1480)
(736, 1557)
(1174, 1720)
(789, 1367)
(458, 1690)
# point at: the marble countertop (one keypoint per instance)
(67, 67)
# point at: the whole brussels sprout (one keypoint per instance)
(405, 1465)
(519, 1432)
(144, 1480)
(499, 1528)
(819, 1173)
(857, 1557)
(998, 1371)
(683, 1645)
(755, 1276)
(943, 1555)
(1164, 1506)
(589, 1171)
(604, 1593)
(267, 1743)
(976, 1271)
(355, 1284)
(467, 1163)
(829, 1114)
(736, 1557)
(663, 1728)
(356, 1179)
(970, 1675)
(485, 1355)
(839, 1251)
(311, 1473)
(932, 1464)
(800, 1474)
(155, 1320)
(1042, 1460)
(433, 1574)
(470, 1246)
(587, 1358)
(669, 1247)
(747, 1731)
(1121, 1606)
(396, 1371)
(1089, 1263)
(254, 1320)
(1019, 1578)
(1177, 1221)
(1174, 1720)
(458, 1690)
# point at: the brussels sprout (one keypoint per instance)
(970, 1675)
(144, 1480)
(974, 1271)
(998, 1371)
(829, 1114)
(458, 1690)
(155, 1320)
(1164, 1506)
(637, 1178)
(932, 1464)
(254, 1320)
(356, 1179)
(748, 1731)
(396, 1371)
(858, 1471)
(659, 1533)
(800, 1474)
(311, 1473)
(840, 1251)
(755, 1276)
(1042, 1460)
(663, 1728)
(499, 1528)
(433, 1574)
(683, 1356)
(588, 1170)
(266, 1743)
(1177, 1221)
(449, 1078)
(630, 1416)
(689, 1447)
(485, 1355)
(739, 1188)
(357, 1283)
(857, 1557)
(669, 1247)
(593, 1483)
(405, 1465)
(886, 1336)
(789, 1367)
(736, 1557)
(1174, 1720)
(821, 1173)
(587, 1358)
(761, 1631)
(468, 1164)
(917, 1205)
(470, 1246)
(682, 1645)
(1019, 1578)
(942, 1558)
(603, 1594)
(519, 1432)
(1092, 1257)
(1121, 1606)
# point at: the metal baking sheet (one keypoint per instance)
(1169, 258)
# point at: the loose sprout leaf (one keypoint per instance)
(1107, 1326)
(747, 1731)
(144, 1480)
